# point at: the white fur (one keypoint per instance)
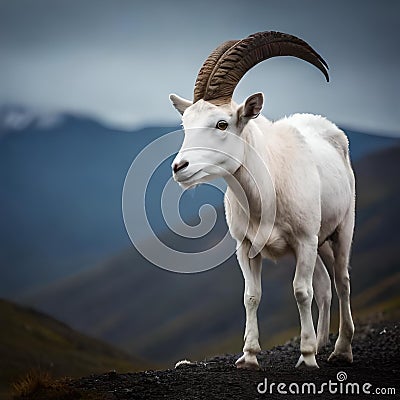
(308, 163)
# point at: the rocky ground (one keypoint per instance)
(376, 350)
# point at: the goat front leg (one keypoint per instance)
(306, 254)
(251, 269)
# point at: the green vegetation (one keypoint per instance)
(30, 340)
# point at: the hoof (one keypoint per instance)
(308, 360)
(247, 361)
(341, 357)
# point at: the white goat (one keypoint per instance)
(308, 163)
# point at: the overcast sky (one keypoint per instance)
(118, 60)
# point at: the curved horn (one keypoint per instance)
(208, 67)
(247, 53)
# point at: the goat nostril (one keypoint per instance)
(181, 165)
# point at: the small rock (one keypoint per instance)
(184, 363)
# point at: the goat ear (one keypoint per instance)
(252, 106)
(180, 103)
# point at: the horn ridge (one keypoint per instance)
(208, 67)
(248, 52)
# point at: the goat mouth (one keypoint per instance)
(192, 179)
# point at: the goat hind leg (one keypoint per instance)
(341, 249)
(323, 296)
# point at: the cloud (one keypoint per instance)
(118, 61)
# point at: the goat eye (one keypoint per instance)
(222, 125)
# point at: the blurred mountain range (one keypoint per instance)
(61, 180)
(162, 316)
(60, 197)
(64, 249)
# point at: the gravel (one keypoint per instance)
(376, 362)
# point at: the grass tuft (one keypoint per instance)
(33, 381)
(39, 384)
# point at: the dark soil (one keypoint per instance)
(376, 361)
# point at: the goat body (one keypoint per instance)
(308, 161)
(291, 188)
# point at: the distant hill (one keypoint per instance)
(361, 143)
(32, 340)
(60, 198)
(61, 180)
(164, 316)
